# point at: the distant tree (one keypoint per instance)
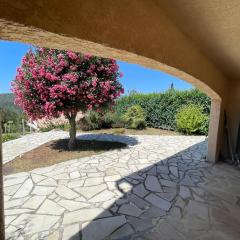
(53, 82)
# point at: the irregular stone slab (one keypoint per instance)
(16, 211)
(169, 196)
(89, 192)
(153, 171)
(136, 176)
(112, 178)
(140, 190)
(73, 205)
(152, 184)
(34, 202)
(62, 176)
(158, 202)
(36, 223)
(140, 224)
(14, 181)
(102, 197)
(124, 231)
(82, 215)
(168, 183)
(101, 228)
(37, 178)
(43, 190)
(112, 185)
(11, 232)
(48, 182)
(131, 210)
(184, 192)
(66, 192)
(162, 169)
(9, 219)
(11, 189)
(50, 207)
(71, 232)
(174, 170)
(75, 174)
(153, 212)
(98, 174)
(15, 202)
(53, 236)
(75, 183)
(93, 181)
(180, 203)
(139, 202)
(108, 204)
(24, 190)
(53, 196)
(187, 181)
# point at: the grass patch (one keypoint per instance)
(9, 136)
(57, 151)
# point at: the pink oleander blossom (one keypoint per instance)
(52, 82)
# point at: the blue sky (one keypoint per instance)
(135, 77)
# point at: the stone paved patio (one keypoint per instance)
(157, 188)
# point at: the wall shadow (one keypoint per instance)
(147, 196)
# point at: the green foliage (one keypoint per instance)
(112, 120)
(10, 136)
(94, 120)
(135, 117)
(91, 121)
(10, 112)
(161, 108)
(191, 120)
(108, 119)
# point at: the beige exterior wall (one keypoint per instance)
(233, 111)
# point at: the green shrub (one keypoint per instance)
(9, 136)
(161, 108)
(91, 121)
(108, 119)
(135, 117)
(191, 120)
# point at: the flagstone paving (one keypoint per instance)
(159, 187)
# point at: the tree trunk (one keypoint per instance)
(72, 132)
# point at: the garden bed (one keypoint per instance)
(57, 151)
(147, 131)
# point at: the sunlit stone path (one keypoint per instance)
(157, 186)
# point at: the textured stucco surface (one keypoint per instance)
(139, 27)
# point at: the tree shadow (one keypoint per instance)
(95, 142)
(129, 140)
(148, 195)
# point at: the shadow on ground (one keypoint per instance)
(57, 151)
(152, 194)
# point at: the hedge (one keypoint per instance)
(161, 108)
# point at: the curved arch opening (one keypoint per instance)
(51, 40)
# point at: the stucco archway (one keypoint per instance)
(35, 36)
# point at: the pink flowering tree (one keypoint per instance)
(52, 82)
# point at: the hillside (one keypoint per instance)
(7, 102)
